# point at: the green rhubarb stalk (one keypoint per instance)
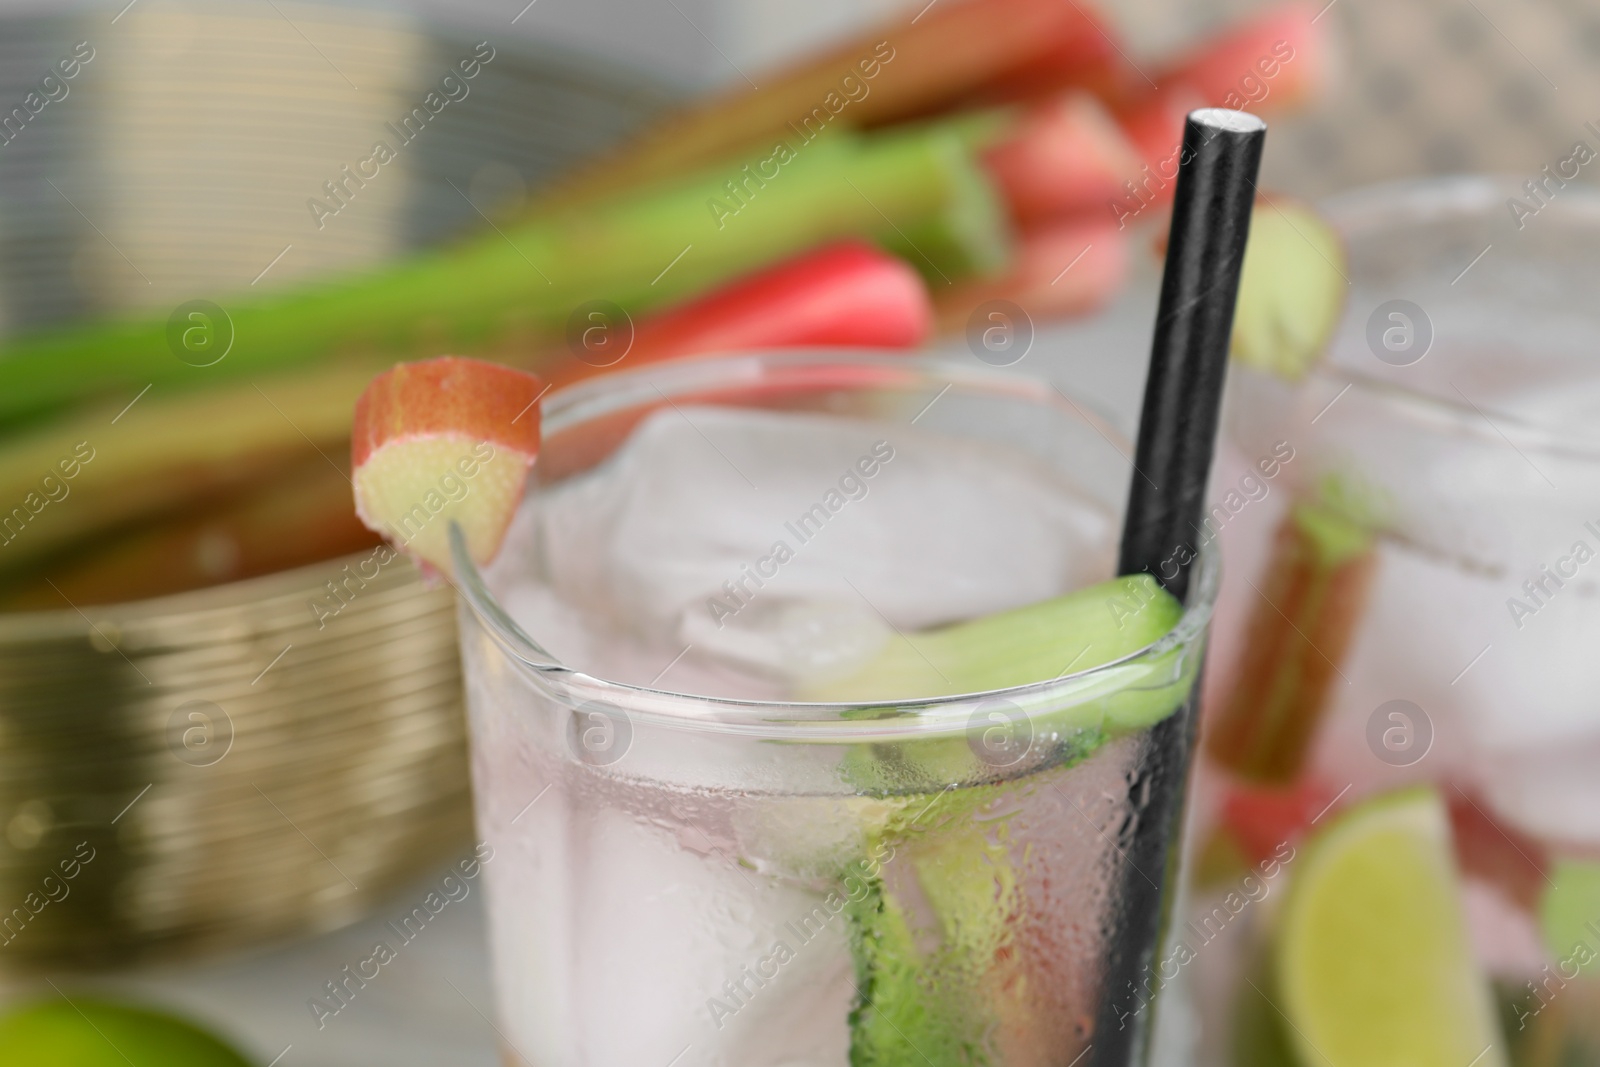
(173, 449)
(937, 970)
(291, 518)
(65, 481)
(957, 239)
(639, 249)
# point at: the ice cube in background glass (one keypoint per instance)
(1506, 707)
(765, 537)
(1470, 515)
(1505, 936)
(1564, 399)
(1553, 793)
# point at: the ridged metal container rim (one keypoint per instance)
(70, 622)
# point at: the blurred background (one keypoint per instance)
(265, 756)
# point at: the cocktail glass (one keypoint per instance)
(683, 879)
(1412, 529)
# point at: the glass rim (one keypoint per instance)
(1415, 200)
(810, 721)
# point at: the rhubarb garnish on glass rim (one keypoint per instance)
(442, 441)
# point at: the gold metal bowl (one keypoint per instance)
(217, 768)
(226, 766)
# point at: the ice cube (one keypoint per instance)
(708, 511)
(1514, 709)
(580, 641)
(795, 640)
(663, 903)
(1504, 937)
(1553, 794)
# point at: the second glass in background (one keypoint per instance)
(1410, 534)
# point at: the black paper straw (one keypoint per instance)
(1177, 437)
(1189, 356)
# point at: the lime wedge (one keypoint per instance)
(1373, 963)
(1569, 915)
(91, 1033)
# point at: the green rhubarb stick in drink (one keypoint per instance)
(1071, 633)
(639, 249)
(930, 947)
(938, 972)
(930, 978)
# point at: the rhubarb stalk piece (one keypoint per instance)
(68, 481)
(1070, 267)
(444, 442)
(224, 483)
(1499, 854)
(641, 250)
(910, 67)
(300, 515)
(1269, 64)
(1312, 599)
(1062, 157)
(848, 294)
(1272, 62)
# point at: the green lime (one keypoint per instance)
(1569, 916)
(88, 1033)
(1373, 963)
